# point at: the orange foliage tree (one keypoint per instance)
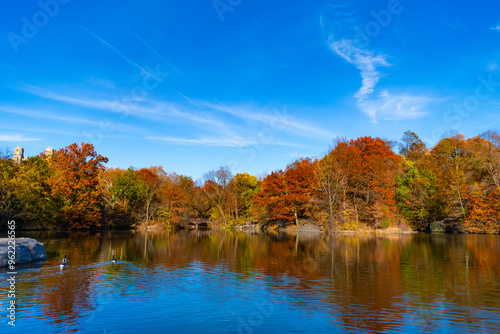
(152, 177)
(173, 198)
(483, 211)
(75, 185)
(483, 199)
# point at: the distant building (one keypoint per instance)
(19, 155)
(49, 152)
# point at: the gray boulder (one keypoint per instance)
(308, 228)
(438, 227)
(27, 251)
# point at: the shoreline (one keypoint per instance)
(305, 228)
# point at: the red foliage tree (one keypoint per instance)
(285, 196)
(370, 166)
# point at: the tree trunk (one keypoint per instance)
(331, 212)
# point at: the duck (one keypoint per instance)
(113, 261)
(64, 262)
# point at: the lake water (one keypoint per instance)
(234, 282)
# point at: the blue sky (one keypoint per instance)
(194, 85)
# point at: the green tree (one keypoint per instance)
(32, 187)
(244, 187)
(130, 190)
(415, 196)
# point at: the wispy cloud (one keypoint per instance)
(38, 113)
(366, 61)
(237, 141)
(153, 50)
(16, 138)
(387, 106)
(205, 141)
(131, 62)
(44, 114)
(201, 114)
(278, 120)
(495, 28)
(145, 109)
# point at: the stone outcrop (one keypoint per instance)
(308, 228)
(27, 251)
(438, 227)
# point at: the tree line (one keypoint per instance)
(359, 183)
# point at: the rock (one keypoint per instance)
(308, 228)
(27, 250)
(438, 227)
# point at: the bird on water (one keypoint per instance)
(64, 262)
(113, 261)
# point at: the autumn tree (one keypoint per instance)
(286, 195)
(411, 147)
(75, 185)
(216, 189)
(173, 199)
(331, 183)
(199, 204)
(371, 167)
(483, 199)
(299, 180)
(484, 151)
(449, 162)
(116, 213)
(272, 197)
(153, 178)
(416, 191)
(107, 179)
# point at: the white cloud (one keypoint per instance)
(37, 113)
(247, 124)
(278, 120)
(366, 61)
(497, 28)
(387, 106)
(221, 141)
(147, 109)
(17, 138)
(204, 141)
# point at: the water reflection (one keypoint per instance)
(263, 281)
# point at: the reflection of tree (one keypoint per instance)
(458, 270)
(66, 296)
(368, 282)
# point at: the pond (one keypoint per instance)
(237, 282)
